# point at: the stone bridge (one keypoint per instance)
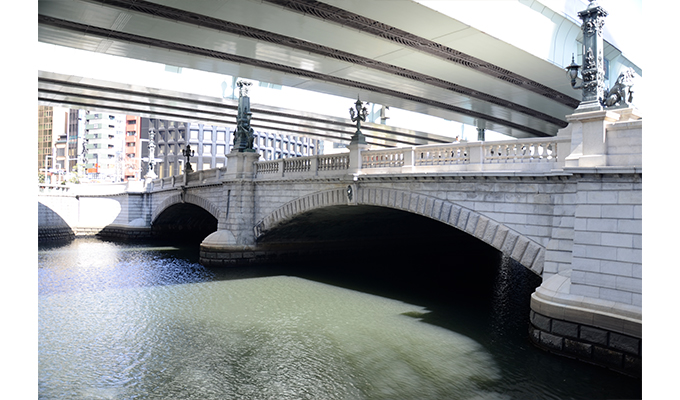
(568, 208)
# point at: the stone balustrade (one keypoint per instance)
(46, 188)
(524, 155)
(312, 165)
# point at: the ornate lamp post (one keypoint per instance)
(152, 155)
(357, 116)
(187, 153)
(595, 95)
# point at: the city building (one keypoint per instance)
(76, 135)
(211, 144)
(104, 146)
(132, 161)
(52, 138)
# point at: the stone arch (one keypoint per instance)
(182, 197)
(508, 241)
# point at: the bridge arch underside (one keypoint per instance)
(183, 222)
(392, 246)
(466, 222)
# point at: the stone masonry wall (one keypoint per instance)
(607, 252)
(588, 343)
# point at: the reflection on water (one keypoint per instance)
(119, 321)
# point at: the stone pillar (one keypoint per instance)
(355, 150)
(590, 128)
(234, 241)
(241, 165)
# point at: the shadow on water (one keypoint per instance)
(464, 285)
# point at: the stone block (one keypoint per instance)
(540, 321)
(584, 290)
(509, 242)
(454, 215)
(499, 238)
(534, 334)
(578, 349)
(593, 335)
(618, 211)
(551, 341)
(489, 231)
(520, 247)
(624, 343)
(462, 218)
(589, 211)
(608, 357)
(617, 239)
(564, 328)
(629, 284)
(632, 365)
(471, 224)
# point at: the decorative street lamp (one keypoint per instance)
(152, 155)
(188, 153)
(572, 72)
(358, 116)
(595, 95)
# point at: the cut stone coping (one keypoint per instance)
(553, 299)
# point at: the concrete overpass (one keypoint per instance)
(406, 55)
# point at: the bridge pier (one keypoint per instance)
(234, 240)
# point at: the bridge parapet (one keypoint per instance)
(319, 165)
(526, 155)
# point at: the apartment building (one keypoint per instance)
(103, 152)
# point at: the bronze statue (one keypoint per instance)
(244, 135)
(621, 93)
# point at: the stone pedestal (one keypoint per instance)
(589, 141)
(590, 129)
(355, 149)
(241, 165)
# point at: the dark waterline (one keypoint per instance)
(489, 305)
